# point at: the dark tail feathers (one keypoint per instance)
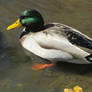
(89, 57)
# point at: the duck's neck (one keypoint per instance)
(29, 29)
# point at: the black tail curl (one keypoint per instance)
(89, 57)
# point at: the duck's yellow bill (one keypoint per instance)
(15, 25)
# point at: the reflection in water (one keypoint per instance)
(15, 72)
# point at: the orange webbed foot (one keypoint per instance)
(42, 66)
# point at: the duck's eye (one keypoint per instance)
(23, 17)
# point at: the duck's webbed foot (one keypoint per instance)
(42, 66)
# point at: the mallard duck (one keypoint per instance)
(54, 41)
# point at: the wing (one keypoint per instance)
(78, 39)
(75, 37)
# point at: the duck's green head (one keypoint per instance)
(30, 19)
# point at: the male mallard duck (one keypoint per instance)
(55, 41)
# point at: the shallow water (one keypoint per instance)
(15, 66)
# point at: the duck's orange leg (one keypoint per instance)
(42, 66)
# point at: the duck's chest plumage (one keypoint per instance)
(43, 46)
(53, 45)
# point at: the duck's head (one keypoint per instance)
(30, 19)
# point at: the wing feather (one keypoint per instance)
(74, 36)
